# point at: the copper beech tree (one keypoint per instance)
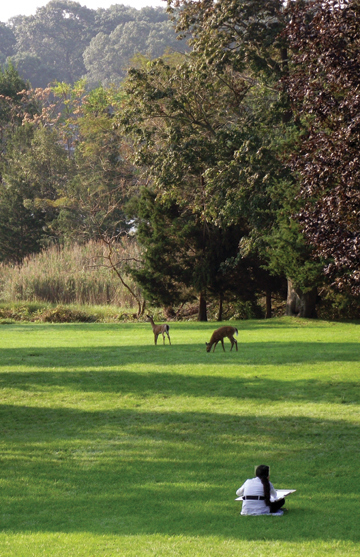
(324, 85)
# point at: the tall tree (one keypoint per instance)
(33, 173)
(14, 104)
(184, 258)
(33, 69)
(324, 85)
(58, 34)
(108, 56)
(190, 124)
(104, 177)
(7, 42)
(245, 38)
(95, 191)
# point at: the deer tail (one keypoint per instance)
(236, 331)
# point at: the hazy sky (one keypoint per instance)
(10, 8)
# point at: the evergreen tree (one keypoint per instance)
(185, 259)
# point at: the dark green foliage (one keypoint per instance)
(162, 231)
(242, 34)
(21, 229)
(186, 258)
(248, 177)
(33, 173)
(11, 84)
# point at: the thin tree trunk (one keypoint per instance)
(202, 315)
(220, 315)
(268, 304)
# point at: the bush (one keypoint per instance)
(62, 314)
(335, 305)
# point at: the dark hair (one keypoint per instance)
(263, 472)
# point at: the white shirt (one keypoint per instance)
(255, 487)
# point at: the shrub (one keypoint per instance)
(62, 314)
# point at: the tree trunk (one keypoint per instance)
(299, 303)
(220, 314)
(268, 304)
(202, 315)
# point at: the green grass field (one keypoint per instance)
(112, 446)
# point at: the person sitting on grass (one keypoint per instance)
(259, 495)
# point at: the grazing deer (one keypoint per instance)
(220, 334)
(159, 329)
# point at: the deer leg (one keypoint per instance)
(222, 342)
(215, 345)
(168, 337)
(155, 338)
(163, 338)
(233, 341)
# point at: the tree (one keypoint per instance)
(183, 258)
(190, 126)
(106, 20)
(14, 103)
(58, 34)
(173, 118)
(7, 42)
(323, 87)
(245, 38)
(32, 69)
(108, 56)
(33, 172)
(101, 178)
(21, 229)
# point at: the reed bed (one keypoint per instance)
(74, 274)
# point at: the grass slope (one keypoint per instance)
(112, 446)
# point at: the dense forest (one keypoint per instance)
(65, 41)
(220, 168)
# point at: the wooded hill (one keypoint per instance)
(66, 41)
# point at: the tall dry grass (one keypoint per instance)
(76, 274)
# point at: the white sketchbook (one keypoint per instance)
(284, 492)
(280, 493)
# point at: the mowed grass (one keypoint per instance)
(112, 446)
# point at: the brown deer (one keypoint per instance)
(220, 334)
(159, 329)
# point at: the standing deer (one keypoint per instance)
(220, 334)
(159, 329)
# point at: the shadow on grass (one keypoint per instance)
(250, 353)
(173, 473)
(163, 384)
(209, 326)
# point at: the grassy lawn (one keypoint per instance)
(112, 446)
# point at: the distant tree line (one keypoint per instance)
(65, 41)
(236, 166)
